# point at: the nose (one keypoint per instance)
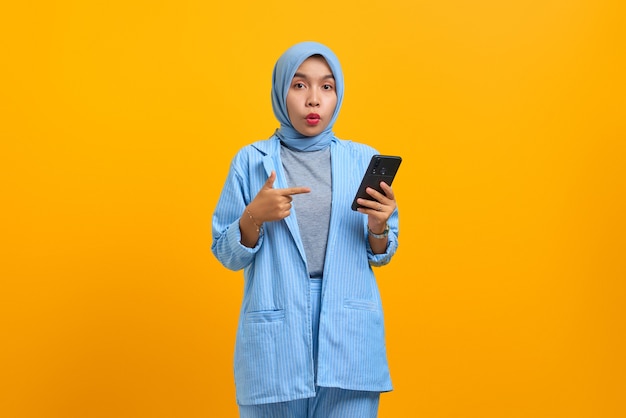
(313, 99)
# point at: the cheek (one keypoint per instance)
(290, 106)
(332, 105)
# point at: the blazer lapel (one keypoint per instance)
(273, 162)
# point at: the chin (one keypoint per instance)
(306, 132)
(311, 131)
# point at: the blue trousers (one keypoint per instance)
(328, 402)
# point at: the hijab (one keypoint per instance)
(283, 73)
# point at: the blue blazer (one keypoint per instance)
(273, 349)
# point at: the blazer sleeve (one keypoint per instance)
(234, 197)
(378, 260)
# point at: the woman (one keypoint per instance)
(310, 339)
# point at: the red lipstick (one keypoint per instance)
(312, 118)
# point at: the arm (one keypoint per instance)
(378, 212)
(226, 245)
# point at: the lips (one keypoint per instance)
(312, 118)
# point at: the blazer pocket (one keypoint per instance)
(360, 304)
(260, 317)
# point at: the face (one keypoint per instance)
(312, 97)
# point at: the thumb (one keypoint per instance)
(269, 184)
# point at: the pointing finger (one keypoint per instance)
(294, 190)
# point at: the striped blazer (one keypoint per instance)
(273, 349)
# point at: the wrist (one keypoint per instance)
(379, 235)
(258, 225)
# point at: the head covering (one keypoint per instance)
(284, 70)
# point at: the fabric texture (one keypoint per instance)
(329, 403)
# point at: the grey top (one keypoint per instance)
(311, 169)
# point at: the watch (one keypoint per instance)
(381, 235)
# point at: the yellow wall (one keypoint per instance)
(117, 123)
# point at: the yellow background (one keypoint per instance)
(118, 120)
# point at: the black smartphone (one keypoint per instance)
(381, 168)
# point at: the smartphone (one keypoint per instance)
(381, 168)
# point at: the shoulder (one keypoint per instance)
(258, 149)
(266, 146)
(355, 149)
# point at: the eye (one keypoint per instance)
(298, 85)
(327, 86)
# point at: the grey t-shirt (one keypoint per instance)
(311, 169)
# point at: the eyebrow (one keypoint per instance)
(329, 76)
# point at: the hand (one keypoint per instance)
(272, 204)
(379, 210)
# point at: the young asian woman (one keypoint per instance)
(310, 338)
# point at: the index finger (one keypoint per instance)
(294, 190)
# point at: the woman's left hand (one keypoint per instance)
(380, 209)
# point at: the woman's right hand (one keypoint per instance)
(272, 204)
(268, 205)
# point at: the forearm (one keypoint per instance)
(378, 239)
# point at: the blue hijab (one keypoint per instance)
(284, 70)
